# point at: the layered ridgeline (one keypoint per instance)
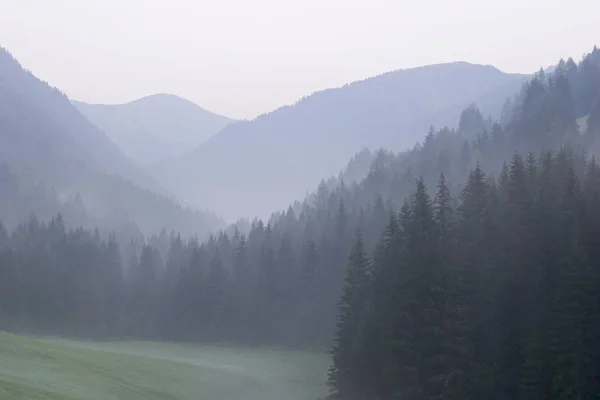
(154, 128)
(52, 159)
(280, 283)
(493, 290)
(252, 167)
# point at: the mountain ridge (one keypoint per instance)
(52, 155)
(314, 137)
(24, 91)
(151, 97)
(154, 127)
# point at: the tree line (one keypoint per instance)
(497, 296)
(277, 281)
(456, 296)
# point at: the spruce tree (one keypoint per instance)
(345, 376)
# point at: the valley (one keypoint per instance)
(277, 157)
(431, 232)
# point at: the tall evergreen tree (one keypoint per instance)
(345, 374)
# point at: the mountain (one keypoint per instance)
(252, 167)
(466, 267)
(154, 128)
(53, 159)
(42, 129)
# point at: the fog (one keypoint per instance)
(242, 59)
(415, 233)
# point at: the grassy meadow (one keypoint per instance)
(57, 369)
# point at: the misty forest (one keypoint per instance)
(420, 251)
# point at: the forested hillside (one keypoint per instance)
(466, 267)
(154, 128)
(496, 297)
(54, 160)
(492, 291)
(279, 156)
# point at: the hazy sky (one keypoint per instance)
(244, 57)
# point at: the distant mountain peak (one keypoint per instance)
(150, 97)
(157, 99)
(155, 127)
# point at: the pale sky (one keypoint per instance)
(241, 58)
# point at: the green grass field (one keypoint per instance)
(57, 369)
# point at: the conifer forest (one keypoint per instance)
(464, 267)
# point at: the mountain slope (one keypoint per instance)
(156, 127)
(49, 133)
(51, 156)
(275, 158)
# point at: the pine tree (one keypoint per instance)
(379, 372)
(444, 214)
(473, 283)
(3, 236)
(427, 278)
(345, 377)
(215, 292)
